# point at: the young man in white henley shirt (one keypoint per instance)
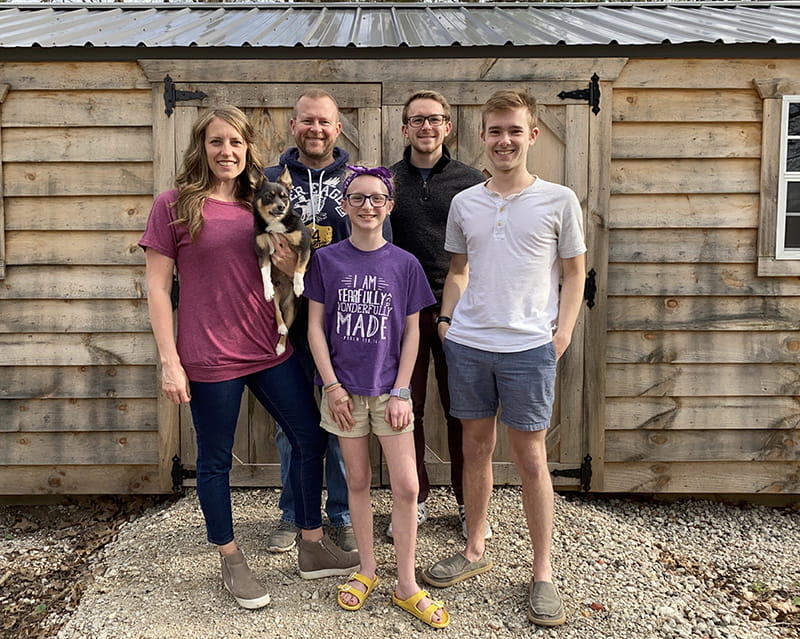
(512, 240)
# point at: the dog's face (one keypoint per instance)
(272, 200)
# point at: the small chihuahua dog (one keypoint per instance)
(273, 214)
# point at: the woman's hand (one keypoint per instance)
(283, 257)
(340, 405)
(175, 384)
(398, 413)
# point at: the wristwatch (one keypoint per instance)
(443, 318)
(401, 393)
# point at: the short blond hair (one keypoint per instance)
(509, 100)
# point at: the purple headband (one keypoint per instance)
(383, 174)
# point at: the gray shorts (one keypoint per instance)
(522, 383)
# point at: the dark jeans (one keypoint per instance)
(429, 342)
(285, 392)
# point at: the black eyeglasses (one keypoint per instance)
(437, 119)
(358, 199)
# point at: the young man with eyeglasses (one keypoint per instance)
(318, 168)
(426, 180)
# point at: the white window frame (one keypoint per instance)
(784, 178)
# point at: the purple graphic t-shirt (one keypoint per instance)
(367, 297)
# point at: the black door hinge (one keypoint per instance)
(584, 473)
(591, 94)
(590, 288)
(173, 95)
(179, 473)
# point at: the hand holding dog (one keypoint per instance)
(175, 384)
(283, 257)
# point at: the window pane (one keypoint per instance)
(793, 155)
(794, 118)
(793, 197)
(792, 237)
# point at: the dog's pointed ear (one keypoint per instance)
(259, 184)
(285, 178)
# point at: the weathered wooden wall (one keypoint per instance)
(78, 410)
(702, 379)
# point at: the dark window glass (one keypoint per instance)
(792, 237)
(794, 118)
(793, 155)
(793, 197)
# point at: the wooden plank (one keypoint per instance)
(703, 313)
(515, 70)
(696, 279)
(699, 380)
(770, 172)
(702, 445)
(76, 382)
(69, 144)
(685, 176)
(88, 349)
(65, 108)
(597, 241)
(279, 95)
(474, 92)
(700, 347)
(59, 415)
(683, 245)
(72, 316)
(710, 477)
(46, 178)
(686, 140)
(369, 136)
(698, 413)
(98, 213)
(75, 448)
(681, 105)
(770, 267)
(74, 247)
(79, 480)
(3, 92)
(74, 282)
(685, 210)
(63, 76)
(694, 73)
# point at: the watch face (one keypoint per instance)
(402, 393)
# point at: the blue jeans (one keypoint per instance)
(336, 505)
(285, 393)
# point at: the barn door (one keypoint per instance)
(561, 154)
(269, 107)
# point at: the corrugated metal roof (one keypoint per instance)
(397, 25)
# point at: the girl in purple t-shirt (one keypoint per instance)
(364, 301)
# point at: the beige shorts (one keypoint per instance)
(368, 414)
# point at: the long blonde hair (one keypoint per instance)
(195, 180)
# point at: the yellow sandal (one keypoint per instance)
(410, 605)
(361, 596)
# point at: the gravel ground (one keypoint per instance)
(627, 569)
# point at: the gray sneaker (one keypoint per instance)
(323, 558)
(241, 583)
(283, 538)
(422, 517)
(545, 607)
(462, 515)
(346, 538)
